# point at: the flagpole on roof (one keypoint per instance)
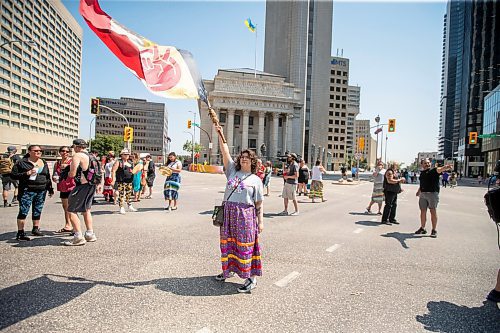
(255, 58)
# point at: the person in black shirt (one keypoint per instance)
(392, 186)
(428, 192)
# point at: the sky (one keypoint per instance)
(394, 48)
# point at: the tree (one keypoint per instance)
(188, 146)
(104, 143)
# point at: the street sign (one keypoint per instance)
(489, 136)
(210, 145)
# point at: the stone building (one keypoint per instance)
(256, 111)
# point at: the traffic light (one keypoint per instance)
(472, 138)
(128, 134)
(392, 125)
(94, 106)
(189, 123)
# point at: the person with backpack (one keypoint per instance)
(34, 183)
(87, 173)
(65, 184)
(7, 162)
(122, 174)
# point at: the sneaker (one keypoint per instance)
(434, 234)
(394, 222)
(22, 237)
(421, 231)
(221, 277)
(294, 214)
(494, 296)
(369, 212)
(283, 213)
(131, 208)
(122, 210)
(90, 237)
(14, 202)
(76, 241)
(247, 286)
(386, 222)
(36, 232)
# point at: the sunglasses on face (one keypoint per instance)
(64, 151)
(36, 151)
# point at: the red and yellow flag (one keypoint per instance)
(164, 70)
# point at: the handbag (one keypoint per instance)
(218, 213)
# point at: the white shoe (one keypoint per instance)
(294, 214)
(76, 241)
(122, 210)
(90, 237)
(131, 208)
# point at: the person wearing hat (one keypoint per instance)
(289, 188)
(122, 175)
(7, 162)
(81, 197)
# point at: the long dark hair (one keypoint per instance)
(253, 160)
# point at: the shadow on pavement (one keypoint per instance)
(207, 212)
(33, 297)
(50, 239)
(105, 212)
(368, 223)
(448, 317)
(402, 237)
(365, 214)
(151, 209)
(49, 291)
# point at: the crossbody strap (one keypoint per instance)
(234, 189)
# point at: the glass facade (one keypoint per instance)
(491, 125)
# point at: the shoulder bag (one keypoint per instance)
(218, 214)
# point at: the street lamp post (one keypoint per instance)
(194, 122)
(90, 133)
(377, 120)
(209, 142)
(192, 146)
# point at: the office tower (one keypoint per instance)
(148, 119)
(298, 47)
(40, 68)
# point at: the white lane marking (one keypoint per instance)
(333, 247)
(204, 330)
(374, 220)
(287, 279)
(359, 230)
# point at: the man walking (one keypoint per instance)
(82, 169)
(392, 186)
(291, 180)
(428, 192)
(7, 162)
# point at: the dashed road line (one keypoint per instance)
(287, 279)
(204, 330)
(333, 247)
(374, 220)
(359, 230)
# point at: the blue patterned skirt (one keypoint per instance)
(172, 186)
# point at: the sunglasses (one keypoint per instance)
(36, 151)
(64, 151)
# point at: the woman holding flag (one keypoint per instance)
(243, 218)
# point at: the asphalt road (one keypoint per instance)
(331, 269)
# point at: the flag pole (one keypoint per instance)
(255, 58)
(215, 120)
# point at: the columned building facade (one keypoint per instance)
(255, 110)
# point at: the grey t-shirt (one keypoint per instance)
(292, 169)
(248, 191)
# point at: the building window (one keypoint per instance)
(252, 143)
(330, 113)
(250, 121)
(237, 119)
(330, 121)
(330, 130)
(222, 117)
(329, 146)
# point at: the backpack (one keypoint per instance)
(94, 172)
(492, 201)
(6, 164)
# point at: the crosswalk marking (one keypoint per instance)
(359, 230)
(333, 248)
(287, 279)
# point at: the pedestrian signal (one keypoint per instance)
(94, 106)
(128, 134)
(189, 123)
(472, 138)
(392, 125)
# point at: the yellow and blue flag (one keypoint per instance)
(250, 25)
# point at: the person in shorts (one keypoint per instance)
(428, 193)
(80, 198)
(290, 187)
(150, 175)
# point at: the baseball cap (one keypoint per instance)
(79, 142)
(294, 156)
(11, 148)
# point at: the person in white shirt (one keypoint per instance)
(378, 188)
(317, 182)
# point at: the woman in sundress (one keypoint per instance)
(243, 218)
(378, 188)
